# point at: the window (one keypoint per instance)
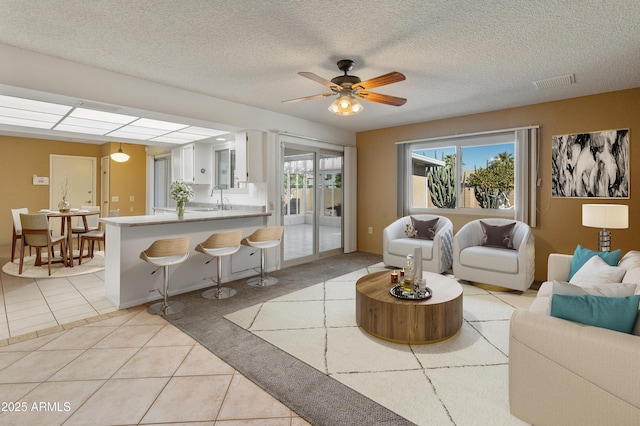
(472, 173)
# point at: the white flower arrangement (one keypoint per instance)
(181, 192)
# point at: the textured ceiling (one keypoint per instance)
(459, 56)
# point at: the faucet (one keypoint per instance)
(220, 203)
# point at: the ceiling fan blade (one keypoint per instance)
(381, 99)
(306, 98)
(318, 79)
(392, 77)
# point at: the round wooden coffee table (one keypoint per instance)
(409, 321)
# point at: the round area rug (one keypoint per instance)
(57, 269)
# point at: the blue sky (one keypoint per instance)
(471, 156)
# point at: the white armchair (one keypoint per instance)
(436, 253)
(498, 266)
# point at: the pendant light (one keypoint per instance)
(119, 156)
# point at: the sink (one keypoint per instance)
(201, 209)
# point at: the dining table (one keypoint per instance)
(65, 224)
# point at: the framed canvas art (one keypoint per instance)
(592, 165)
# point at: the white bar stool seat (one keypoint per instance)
(262, 239)
(217, 246)
(165, 253)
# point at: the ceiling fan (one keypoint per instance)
(350, 88)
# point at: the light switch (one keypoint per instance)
(115, 198)
(132, 198)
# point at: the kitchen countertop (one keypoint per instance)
(189, 216)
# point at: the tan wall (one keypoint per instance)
(24, 157)
(559, 219)
(128, 179)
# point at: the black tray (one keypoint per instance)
(397, 291)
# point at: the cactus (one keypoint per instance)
(491, 198)
(442, 187)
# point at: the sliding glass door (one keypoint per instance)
(312, 203)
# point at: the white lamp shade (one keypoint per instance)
(606, 216)
(346, 105)
(119, 156)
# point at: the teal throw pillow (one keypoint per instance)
(614, 313)
(581, 255)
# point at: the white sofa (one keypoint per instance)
(502, 267)
(566, 373)
(436, 253)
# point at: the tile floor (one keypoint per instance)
(298, 240)
(67, 358)
(29, 305)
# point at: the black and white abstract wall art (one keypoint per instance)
(591, 165)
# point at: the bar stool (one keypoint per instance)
(263, 239)
(165, 253)
(218, 245)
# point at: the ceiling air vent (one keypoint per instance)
(552, 83)
(96, 106)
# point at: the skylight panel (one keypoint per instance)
(30, 105)
(171, 139)
(29, 115)
(80, 129)
(143, 131)
(109, 117)
(128, 135)
(94, 119)
(157, 124)
(203, 131)
(94, 124)
(11, 121)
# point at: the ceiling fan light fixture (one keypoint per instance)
(345, 105)
(119, 156)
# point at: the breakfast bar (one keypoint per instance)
(129, 281)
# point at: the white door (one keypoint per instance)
(78, 174)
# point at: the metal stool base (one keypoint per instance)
(173, 307)
(262, 282)
(219, 293)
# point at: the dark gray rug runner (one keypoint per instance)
(314, 396)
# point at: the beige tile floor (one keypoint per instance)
(100, 366)
(30, 305)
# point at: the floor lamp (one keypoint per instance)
(605, 216)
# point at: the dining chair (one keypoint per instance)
(92, 222)
(35, 233)
(17, 230)
(92, 237)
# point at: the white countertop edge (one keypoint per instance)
(160, 219)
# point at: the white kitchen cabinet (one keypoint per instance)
(176, 164)
(192, 163)
(250, 156)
